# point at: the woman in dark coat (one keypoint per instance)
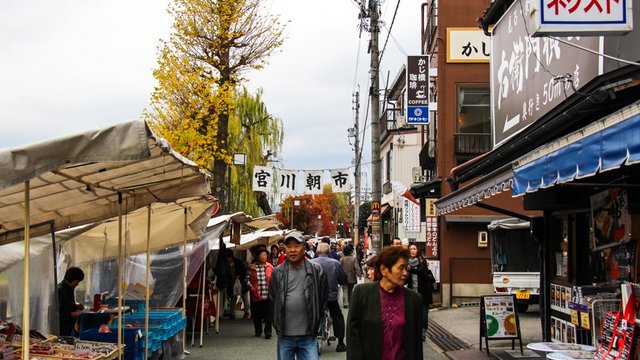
(384, 321)
(422, 280)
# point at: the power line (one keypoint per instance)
(389, 31)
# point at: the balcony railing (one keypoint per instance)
(473, 143)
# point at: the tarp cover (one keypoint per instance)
(75, 180)
(167, 228)
(508, 224)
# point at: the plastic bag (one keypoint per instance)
(237, 288)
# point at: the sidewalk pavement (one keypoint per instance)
(464, 324)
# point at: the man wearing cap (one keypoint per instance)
(260, 272)
(298, 295)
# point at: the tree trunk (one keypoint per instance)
(263, 202)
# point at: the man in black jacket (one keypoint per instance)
(68, 309)
(298, 295)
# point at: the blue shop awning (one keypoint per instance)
(604, 145)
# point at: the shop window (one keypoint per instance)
(473, 122)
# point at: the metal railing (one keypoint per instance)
(472, 143)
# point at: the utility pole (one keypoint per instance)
(356, 215)
(376, 177)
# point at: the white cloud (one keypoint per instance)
(72, 65)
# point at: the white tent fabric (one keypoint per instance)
(167, 228)
(75, 180)
(508, 224)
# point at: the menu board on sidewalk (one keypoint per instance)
(500, 318)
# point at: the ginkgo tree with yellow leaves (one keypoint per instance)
(213, 44)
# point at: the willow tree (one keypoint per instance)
(252, 131)
(217, 42)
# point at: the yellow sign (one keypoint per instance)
(575, 319)
(523, 294)
(430, 207)
(375, 205)
(584, 320)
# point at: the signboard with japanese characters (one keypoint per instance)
(289, 182)
(467, 45)
(262, 178)
(411, 216)
(532, 75)
(340, 180)
(418, 89)
(432, 236)
(580, 17)
(313, 182)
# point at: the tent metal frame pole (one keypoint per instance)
(204, 281)
(184, 279)
(120, 319)
(55, 326)
(26, 303)
(148, 290)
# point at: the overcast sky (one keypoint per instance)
(72, 65)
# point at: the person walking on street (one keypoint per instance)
(238, 281)
(371, 271)
(260, 278)
(384, 320)
(298, 296)
(335, 275)
(421, 280)
(352, 268)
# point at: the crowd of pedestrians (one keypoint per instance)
(289, 286)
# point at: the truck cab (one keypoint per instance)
(515, 261)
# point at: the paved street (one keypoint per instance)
(236, 341)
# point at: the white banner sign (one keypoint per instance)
(340, 181)
(262, 178)
(287, 181)
(313, 182)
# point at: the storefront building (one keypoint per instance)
(566, 134)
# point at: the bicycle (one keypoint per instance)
(325, 331)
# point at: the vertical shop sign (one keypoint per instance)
(610, 216)
(411, 218)
(418, 89)
(432, 236)
(375, 224)
(523, 87)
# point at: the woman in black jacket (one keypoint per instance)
(422, 280)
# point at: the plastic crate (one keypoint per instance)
(133, 349)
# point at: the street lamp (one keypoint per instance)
(296, 202)
(238, 159)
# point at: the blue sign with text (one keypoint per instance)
(417, 114)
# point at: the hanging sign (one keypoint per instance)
(610, 216)
(340, 180)
(262, 178)
(287, 181)
(313, 182)
(418, 89)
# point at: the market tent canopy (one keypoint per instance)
(78, 179)
(167, 229)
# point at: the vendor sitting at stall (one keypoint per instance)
(68, 310)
